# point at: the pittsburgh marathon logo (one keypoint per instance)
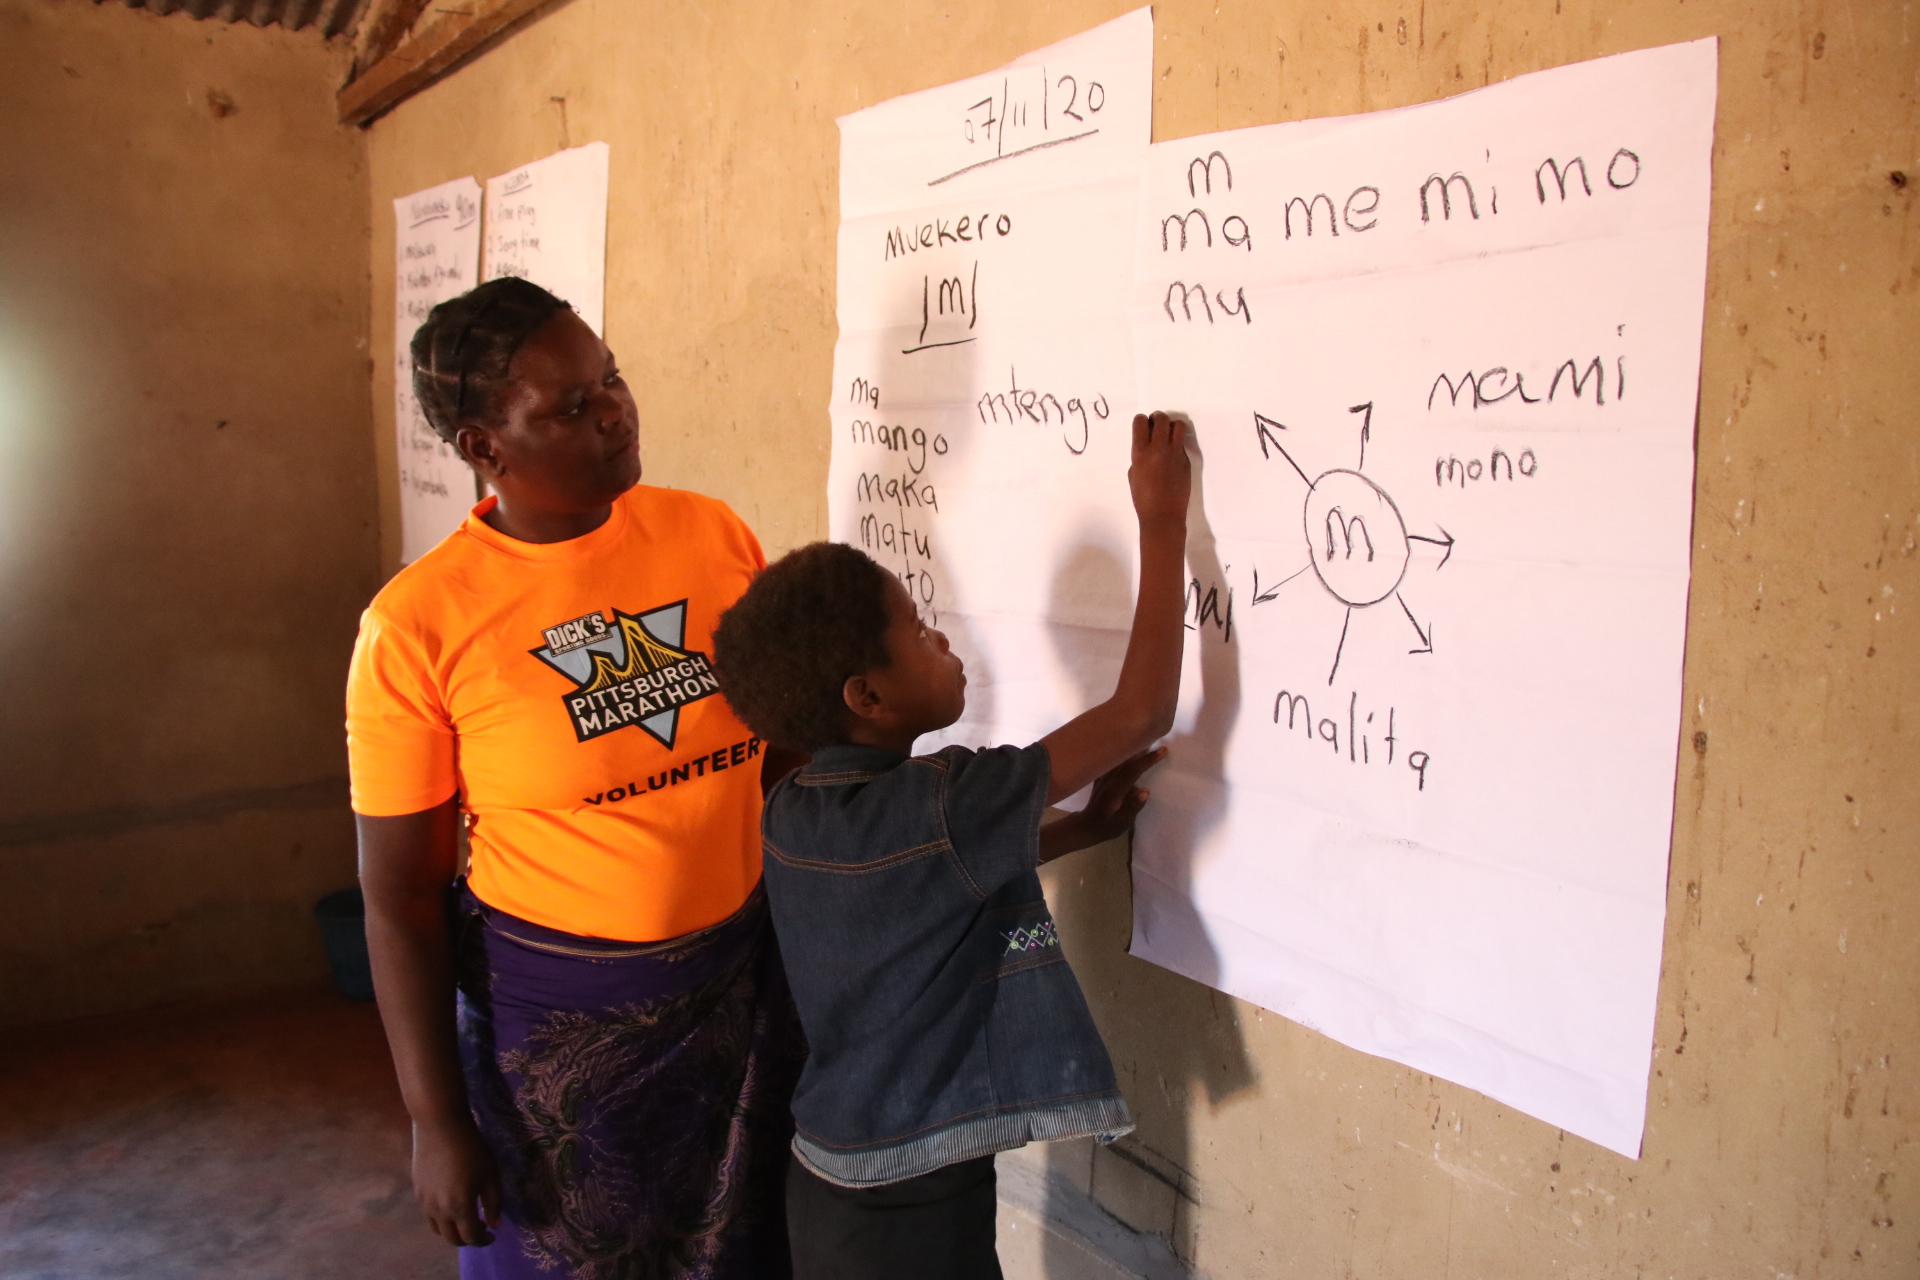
(634, 672)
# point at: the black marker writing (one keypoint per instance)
(1491, 386)
(1360, 734)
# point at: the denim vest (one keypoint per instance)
(942, 1021)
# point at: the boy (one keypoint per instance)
(943, 1021)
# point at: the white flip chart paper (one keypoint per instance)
(547, 222)
(1443, 365)
(436, 257)
(982, 379)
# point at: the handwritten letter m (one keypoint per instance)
(1205, 166)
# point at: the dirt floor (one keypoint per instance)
(261, 1138)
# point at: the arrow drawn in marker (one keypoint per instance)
(1366, 429)
(1426, 637)
(1262, 597)
(1264, 427)
(1444, 540)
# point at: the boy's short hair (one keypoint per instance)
(785, 650)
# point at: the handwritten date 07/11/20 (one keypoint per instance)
(1004, 113)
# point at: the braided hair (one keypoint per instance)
(461, 353)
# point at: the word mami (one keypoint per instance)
(1498, 383)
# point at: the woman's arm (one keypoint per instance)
(406, 864)
(1142, 706)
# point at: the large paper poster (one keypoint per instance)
(547, 222)
(436, 257)
(982, 380)
(1443, 365)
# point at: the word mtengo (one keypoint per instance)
(1359, 739)
(1019, 403)
(944, 231)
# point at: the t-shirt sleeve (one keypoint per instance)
(994, 799)
(740, 538)
(400, 740)
(754, 554)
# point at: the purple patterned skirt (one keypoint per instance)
(636, 1096)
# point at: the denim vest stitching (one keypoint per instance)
(996, 1109)
(1024, 963)
(946, 836)
(860, 868)
(803, 779)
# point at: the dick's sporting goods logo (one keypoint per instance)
(633, 671)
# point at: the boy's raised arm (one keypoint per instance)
(1141, 708)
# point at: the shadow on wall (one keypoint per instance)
(1174, 1042)
(1198, 751)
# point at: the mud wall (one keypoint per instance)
(188, 526)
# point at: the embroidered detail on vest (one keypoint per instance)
(1038, 938)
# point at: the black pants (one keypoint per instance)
(938, 1226)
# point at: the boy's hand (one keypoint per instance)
(1115, 801)
(1161, 475)
(1100, 740)
(1111, 808)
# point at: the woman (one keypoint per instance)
(612, 1098)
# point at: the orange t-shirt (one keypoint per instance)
(563, 690)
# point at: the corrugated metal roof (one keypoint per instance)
(332, 17)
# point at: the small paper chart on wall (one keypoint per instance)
(1442, 364)
(436, 257)
(982, 376)
(547, 222)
